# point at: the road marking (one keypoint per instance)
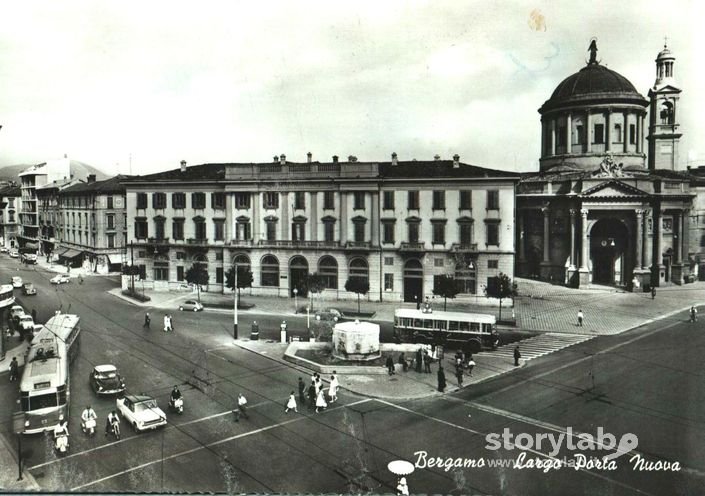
(210, 445)
(535, 452)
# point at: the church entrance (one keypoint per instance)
(609, 244)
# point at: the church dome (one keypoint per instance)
(594, 83)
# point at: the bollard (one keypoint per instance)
(254, 334)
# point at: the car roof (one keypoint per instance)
(105, 368)
(25, 317)
(16, 307)
(192, 302)
(138, 398)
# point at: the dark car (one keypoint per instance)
(330, 315)
(29, 289)
(105, 379)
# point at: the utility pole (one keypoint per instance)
(132, 266)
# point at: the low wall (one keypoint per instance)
(290, 356)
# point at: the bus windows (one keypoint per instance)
(441, 324)
(464, 326)
(418, 323)
(487, 328)
(453, 325)
(38, 402)
(474, 327)
(428, 324)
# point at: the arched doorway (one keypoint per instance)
(298, 270)
(609, 246)
(413, 281)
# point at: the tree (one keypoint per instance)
(501, 287)
(313, 283)
(445, 286)
(198, 275)
(359, 285)
(244, 279)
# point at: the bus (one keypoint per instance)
(7, 296)
(44, 387)
(470, 332)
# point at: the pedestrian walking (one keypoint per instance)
(317, 382)
(459, 375)
(14, 369)
(320, 401)
(471, 365)
(653, 292)
(291, 404)
(166, 323)
(171, 323)
(311, 396)
(34, 315)
(390, 364)
(333, 388)
(441, 379)
(419, 359)
(147, 320)
(402, 361)
(427, 362)
(241, 409)
(693, 314)
(302, 391)
(517, 356)
(580, 317)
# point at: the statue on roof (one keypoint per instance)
(609, 168)
(593, 52)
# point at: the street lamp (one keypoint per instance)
(308, 321)
(296, 300)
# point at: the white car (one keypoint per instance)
(29, 258)
(191, 305)
(14, 254)
(16, 282)
(16, 311)
(26, 323)
(3, 249)
(60, 279)
(141, 412)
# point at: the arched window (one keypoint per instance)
(358, 268)
(666, 113)
(201, 259)
(241, 260)
(465, 276)
(269, 272)
(328, 270)
(617, 138)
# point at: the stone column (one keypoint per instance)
(584, 271)
(374, 219)
(639, 134)
(553, 136)
(588, 130)
(639, 260)
(608, 130)
(568, 130)
(520, 214)
(573, 220)
(255, 219)
(677, 267)
(658, 224)
(625, 131)
(648, 239)
(546, 231)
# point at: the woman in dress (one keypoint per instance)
(320, 401)
(291, 404)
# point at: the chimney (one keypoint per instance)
(394, 158)
(91, 178)
(335, 159)
(352, 158)
(282, 159)
(436, 157)
(309, 157)
(456, 161)
(276, 159)
(183, 166)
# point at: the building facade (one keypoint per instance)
(49, 213)
(598, 212)
(9, 217)
(91, 225)
(397, 224)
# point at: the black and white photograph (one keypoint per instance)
(401, 247)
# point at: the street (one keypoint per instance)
(647, 382)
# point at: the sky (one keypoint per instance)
(137, 86)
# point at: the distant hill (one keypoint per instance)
(78, 169)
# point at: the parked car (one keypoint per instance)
(29, 258)
(29, 289)
(3, 249)
(16, 311)
(14, 254)
(35, 330)
(60, 279)
(16, 282)
(141, 412)
(191, 305)
(330, 315)
(26, 323)
(105, 379)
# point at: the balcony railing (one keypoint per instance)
(158, 241)
(407, 246)
(281, 243)
(464, 247)
(358, 245)
(197, 241)
(240, 242)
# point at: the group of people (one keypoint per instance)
(168, 322)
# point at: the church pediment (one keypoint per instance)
(612, 189)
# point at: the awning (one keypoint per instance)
(71, 253)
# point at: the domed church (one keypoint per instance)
(601, 210)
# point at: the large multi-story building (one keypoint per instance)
(91, 224)
(50, 213)
(398, 224)
(598, 211)
(697, 222)
(30, 179)
(9, 218)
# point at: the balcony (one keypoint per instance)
(464, 247)
(412, 247)
(358, 245)
(157, 241)
(240, 242)
(280, 243)
(197, 241)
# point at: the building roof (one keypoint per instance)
(10, 191)
(57, 184)
(594, 82)
(112, 185)
(203, 172)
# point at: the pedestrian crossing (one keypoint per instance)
(537, 346)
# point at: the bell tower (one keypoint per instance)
(664, 136)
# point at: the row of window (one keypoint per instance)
(270, 200)
(243, 230)
(83, 202)
(76, 237)
(598, 136)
